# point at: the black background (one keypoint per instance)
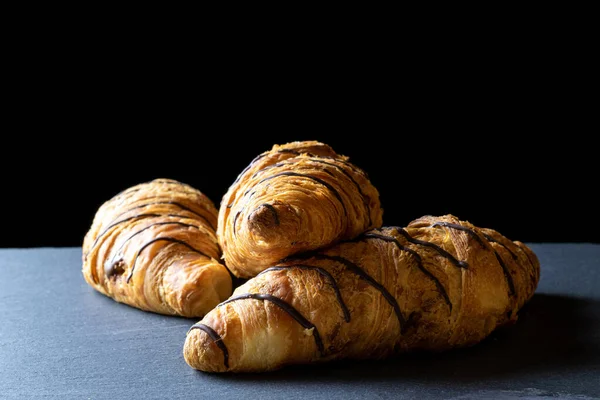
(505, 143)
(493, 180)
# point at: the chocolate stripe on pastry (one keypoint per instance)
(215, 338)
(259, 157)
(319, 160)
(290, 151)
(321, 271)
(471, 232)
(153, 225)
(427, 273)
(162, 239)
(174, 203)
(263, 155)
(363, 196)
(505, 270)
(442, 252)
(235, 221)
(314, 178)
(509, 280)
(526, 255)
(492, 240)
(363, 275)
(288, 308)
(140, 216)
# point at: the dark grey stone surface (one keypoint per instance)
(61, 339)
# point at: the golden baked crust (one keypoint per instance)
(296, 197)
(436, 284)
(154, 247)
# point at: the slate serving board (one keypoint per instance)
(60, 339)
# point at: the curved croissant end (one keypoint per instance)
(154, 247)
(296, 197)
(436, 284)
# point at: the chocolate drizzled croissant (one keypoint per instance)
(296, 197)
(154, 247)
(437, 284)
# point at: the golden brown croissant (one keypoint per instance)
(437, 284)
(154, 247)
(297, 197)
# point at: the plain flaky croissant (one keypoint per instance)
(294, 198)
(436, 284)
(154, 247)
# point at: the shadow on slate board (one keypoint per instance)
(553, 334)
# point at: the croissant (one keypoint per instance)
(154, 247)
(297, 197)
(437, 284)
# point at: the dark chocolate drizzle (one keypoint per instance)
(317, 159)
(509, 280)
(363, 275)
(347, 163)
(531, 272)
(293, 162)
(314, 178)
(323, 272)
(285, 306)
(249, 166)
(492, 240)
(260, 156)
(287, 161)
(248, 191)
(290, 151)
(314, 158)
(362, 194)
(420, 265)
(150, 226)
(140, 216)
(353, 167)
(235, 222)
(526, 255)
(159, 239)
(458, 227)
(215, 338)
(174, 203)
(442, 252)
(254, 162)
(505, 270)
(114, 224)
